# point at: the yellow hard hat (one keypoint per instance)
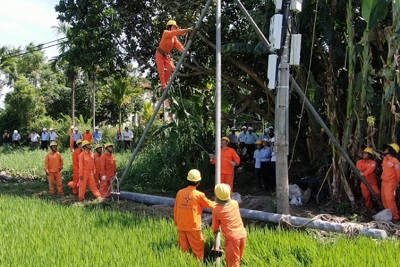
(259, 142)
(53, 143)
(86, 142)
(171, 22)
(194, 175)
(225, 138)
(369, 150)
(72, 127)
(79, 141)
(108, 144)
(222, 191)
(395, 147)
(98, 146)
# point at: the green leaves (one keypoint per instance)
(373, 11)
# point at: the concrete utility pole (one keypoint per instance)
(280, 26)
(282, 122)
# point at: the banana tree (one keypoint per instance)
(392, 35)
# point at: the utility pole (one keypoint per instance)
(279, 31)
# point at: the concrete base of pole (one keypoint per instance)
(268, 217)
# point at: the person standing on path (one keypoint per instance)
(390, 179)
(45, 139)
(53, 167)
(229, 159)
(189, 204)
(108, 170)
(226, 215)
(87, 171)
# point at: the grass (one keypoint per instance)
(41, 230)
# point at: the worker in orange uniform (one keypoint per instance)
(367, 166)
(75, 167)
(108, 170)
(53, 166)
(87, 171)
(71, 139)
(97, 163)
(189, 204)
(169, 40)
(229, 159)
(88, 136)
(390, 179)
(226, 215)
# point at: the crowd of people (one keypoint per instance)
(249, 147)
(95, 170)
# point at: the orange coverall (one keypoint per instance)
(109, 169)
(75, 166)
(390, 179)
(189, 204)
(87, 170)
(227, 216)
(367, 167)
(164, 62)
(88, 137)
(227, 169)
(97, 166)
(54, 164)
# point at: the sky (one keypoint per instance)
(26, 21)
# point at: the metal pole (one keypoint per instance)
(335, 141)
(282, 124)
(165, 93)
(94, 103)
(218, 113)
(255, 27)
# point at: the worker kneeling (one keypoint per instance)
(108, 170)
(189, 204)
(226, 214)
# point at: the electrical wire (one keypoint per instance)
(307, 81)
(38, 47)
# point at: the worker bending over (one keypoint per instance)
(367, 166)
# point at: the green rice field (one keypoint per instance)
(41, 230)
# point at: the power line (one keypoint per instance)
(38, 47)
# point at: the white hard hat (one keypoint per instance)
(271, 127)
(96, 128)
(250, 128)
(76, 129)
(265, 140)
(44, 129)
(266, 129)
(244, 127)
(15, 131)
(51, 129)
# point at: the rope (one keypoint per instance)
(308, 78)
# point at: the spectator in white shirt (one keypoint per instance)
(53, 135)
(16, 137)
(34, 137)
(127, 137)
(45, 139)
